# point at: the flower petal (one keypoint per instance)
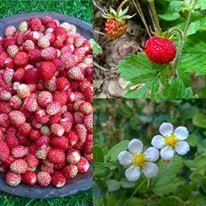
(150, 169)
(132, 173)
(182, 148)
(125, 158)
(152, 154)
(135, 146)
(181, 133)
(166, 128)
(167, 153)
(158, 141)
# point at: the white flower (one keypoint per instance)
(136, 160)
(171, 140)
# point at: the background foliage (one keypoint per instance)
(181, 182)
(78, 8)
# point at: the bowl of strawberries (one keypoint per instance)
(46, 105)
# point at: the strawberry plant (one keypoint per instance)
(172, 61)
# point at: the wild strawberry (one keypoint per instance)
(34, 55)
(88, 122)
(19, 166)
(9, 31)
(57, 129)
(62, 83)
(56, 156)
(4, 150)
(4, 107)
(21, 58)
(41, 116)
(24, 129)
(51, 84)
(29, 178)
(9, 41)
(160, 50)
(30, 103)
(60, 97)
(89, 157)
(78, 117)
(88, 147)
(58, 64)
(69, 60)
(4, 120)
(58, 44)
(19, 151)
(43, 42)
(31, 76)
(59, 142)
(32, 162)
(5, 95)
(44, 98)
(42, 152)
(49, 53)
(35, 24)
(83, 165)
(67, 121)
(46, 20)
(79, 41)
(45, 130)
(81, 131)
(66, 26)
(61, 33)
(44, 178)
(12, 50)
(58, 179)
(53, 108)
(34, 134)
(55, 118)
(85, 108)
(47, 70)
(51, 24)
(73, 157)
(23, 26)
(70, 171)
(13, 179)
(8, 75)
(19, 76)
(47, 166)
(75, 73)
(17, 118)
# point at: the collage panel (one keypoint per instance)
(46, 103)
(150, 49)
(149, 152)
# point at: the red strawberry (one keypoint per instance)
(31, 76)
(47, 70)
(34, 55)
(57, 129)
(75, 73)
(88, 122)
(32, 162)
(47, 167)
(24, 129)
(62, 83)
(19, 151)
(13, 179)
(160, 50)
(56, 156)
(17, 118)
(82, 133)
(73, 138)
(44, 178)
(73, 157)
(43, 42)
(58, 64)
(4, 150)
(35, 24)
(19, 166)
(83, 165)
(60, 97)
(9, 31)
(70, 171)
(53, 108)
(61, 33)
(44, 98)
(28, 45)
(30, 103)
(49, 53)
(21, 59)
(59, 142)
(29, 178)
(58, 179)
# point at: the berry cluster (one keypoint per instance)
(46, 95)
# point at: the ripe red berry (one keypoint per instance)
(47, 70)
(21, 59)
(29, 178)
(160, 50)
(58, 179)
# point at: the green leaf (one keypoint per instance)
(194, 27)
(98, 154)
(169, 201)
(197, 201)
(114, 151)
(96, 47)
(167, 180)
(201, 4)
(126, 184)
(196, 164)
(113, 185)
(199, 120)
(193, 56)
(134, 201)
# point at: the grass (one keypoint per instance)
(81, 9)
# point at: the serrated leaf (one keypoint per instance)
(193, 56)
(201, 4)
(167, 180)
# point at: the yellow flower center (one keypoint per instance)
(139, 160)
(171, 140)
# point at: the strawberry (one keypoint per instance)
(18, 76)
(81, 131)
(28, 45)
(34, 55)
(9, 31)
(30, 103)
(23, 26)
(4, 150)
(85, 108)
(25, 129)
(31, 76)
(44, 98)
(57, 129)
(62, 83)
(60, 97)
(4, 120)
(83, 165)
(58, 64)
(5, 95)
(19, 151)
(13, 179)
(56, 156)
(160, 50)
(53, 108)
(21, 58)
(29, 178)
(67, 121)
(51, 84)
(12, 50)
(75, 73)
(69, 60)
(19, 166)
(60, 142)
(47, 167)
(49, 53)
(43, 42)
(35, 24)
(61, 33)
(17, 118)
(58, 179)
(70, 171)
(47, 70)
(44, 178)
(73, 157)
(88, 122)
(15, 102)
(41, 116)
(32, 162)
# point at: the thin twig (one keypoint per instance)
(99, 32)
(121, 5)
(104, 69)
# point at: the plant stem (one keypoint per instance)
(137, 188)
(155, 16)
(139, 10)
(121, 5)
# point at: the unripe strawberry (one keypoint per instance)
(5, 95)
(17, 118)
(57, 129)
(89, 157)
(43, 42)
(51, 84)
(9, 31)
(8, 75)
(58, 179)
(73, 157)
(78, 117)
(53, 108)
(56, 156)
(79, 41)
(75, 73)
(80, 53)
(69, 60)
(13, 179)
(29, 178)
(70, 171)
(23, 91)
(23, 26)
(30, 103)
(12, 50)
(47, 70)
(44, 98)
(32, 162)
(81, 130)
(44, 178)
(21, 58)
(85, 108)
(19, 151)
(45, 130)
(88, 122)
(66, 26)
(35, 24)
(83, 165)
(28, 45)
(49, 53)
(4, 150)
(42, 152)
(19, 166)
